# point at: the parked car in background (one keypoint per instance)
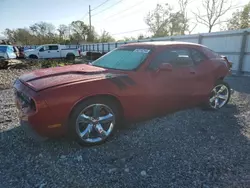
(28, 48)
(21, 52)
(6, 53)
(52, 51)
(17, 51)
(92, 56)
(133, 82)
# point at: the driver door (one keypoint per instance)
(54, 51)
(43, 52)
(172, 89)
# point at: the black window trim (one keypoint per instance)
(201, 52)
(170, 48)
(53, 45)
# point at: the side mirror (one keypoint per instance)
(41, 50)
(165, 67)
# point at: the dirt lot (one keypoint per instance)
(191, 148)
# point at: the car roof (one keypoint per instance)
(163, 43)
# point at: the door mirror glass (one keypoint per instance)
(41, 50)
(165, 67)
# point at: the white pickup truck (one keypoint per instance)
(52, 51)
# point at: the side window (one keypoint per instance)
(46, 48)
(176, 57)
(197, 56)
(53, 47)
(211, 53)
(9, 49)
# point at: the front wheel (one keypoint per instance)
(93, 121)
(219, 96)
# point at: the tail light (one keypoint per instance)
(229, 64)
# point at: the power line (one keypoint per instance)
(129, 8)
(85, 15)
(100, 5)
(130, 31)
(148, 28)
(107, 8)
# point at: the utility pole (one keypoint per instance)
(89, 20)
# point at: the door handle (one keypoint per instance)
(48, 51)
(57, 51)
(192, 72)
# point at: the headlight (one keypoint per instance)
(27, 104)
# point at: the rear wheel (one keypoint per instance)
(70, 57)
(33, 57)
(93, 121)
(219, 96)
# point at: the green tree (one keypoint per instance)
(240, 19)
(23, 36)
(44, 33)
(80, 31)
(141, 36)
(129, 38)
(162, 21)
(105, 37)
(63, 31)
(9, 34)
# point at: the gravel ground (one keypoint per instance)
(191, 148)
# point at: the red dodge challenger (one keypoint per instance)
(133, 82)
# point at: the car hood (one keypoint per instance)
(30, 50)
(47, 78)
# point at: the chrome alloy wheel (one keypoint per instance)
(219, 96)
(95, 123)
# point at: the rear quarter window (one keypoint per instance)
(10, 49)
(210, 53)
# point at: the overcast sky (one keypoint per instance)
(126, 15)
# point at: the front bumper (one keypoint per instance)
(23, 118)
(31, 132)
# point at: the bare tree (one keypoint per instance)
(183, 10)
(183, 6)
(192, 28)
(215, 9)
(62, 29)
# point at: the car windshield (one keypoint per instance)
(122, 59)
(38, 47)
(3, 48)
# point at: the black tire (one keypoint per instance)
(4, 64)
(112, 104)
(207, 105)
(70, 57)
(33, 57)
